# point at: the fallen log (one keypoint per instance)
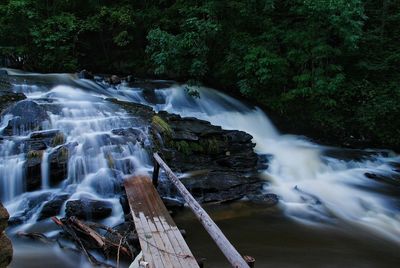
(86, 238)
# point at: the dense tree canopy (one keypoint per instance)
(327, 66)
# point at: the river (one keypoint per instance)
(330, 214)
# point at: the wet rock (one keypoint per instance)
(27, 116)
(227, 156)
(220, 186)
(392, 179)
(58, 167)
(143, 111)
(130, 79)
(7, 97)
(131, 134)
(33, 170)
(115, 80)
(123, 200)
(29, 207)
(84, 74)
(4, 216)
(396, 166)
(53, 206)
(354, 154)
(58, 164)
(88, 209)
(173, 204)
(41, 140)
(6, 251)
(150, 85)
(268, 199)
(45, 134)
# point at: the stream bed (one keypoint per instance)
(337, 207)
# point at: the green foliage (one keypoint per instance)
(55, 40)
(326, 65)
(185, 54)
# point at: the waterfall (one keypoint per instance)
(313, 186)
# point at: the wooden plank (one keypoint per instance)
(160, 245)
(149, 239)
(181, 249)
(235, 259)
(179, 243)
(168, 245)
(161, 242)
(165, 221)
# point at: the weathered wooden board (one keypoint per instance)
(160, 239)
(213, 230)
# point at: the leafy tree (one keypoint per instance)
(328, 67)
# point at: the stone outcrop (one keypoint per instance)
(6, 250)
(7, 97)
(27, 116)
(88, 209)
(224, 160)
(58, 165)
(53, 206)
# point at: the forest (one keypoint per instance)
(328, 68)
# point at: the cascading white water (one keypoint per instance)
(11, 170)
(313, 187)
(98, 159)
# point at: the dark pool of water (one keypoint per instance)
(276, 241)
(264, 233)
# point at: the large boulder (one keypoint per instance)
(88, 209)
(58, 166)
(144, 112)
(27, 116)
(7, 97)
(128, 134)
(84, 74)
(388, 178)
(4, 216)
(53, 206)
(6, 250)
(41, 140)
(226, 158)
(28, 207)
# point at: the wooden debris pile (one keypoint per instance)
(115, 244)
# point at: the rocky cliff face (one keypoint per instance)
(218, 165)
(222, 163)
(6, 250)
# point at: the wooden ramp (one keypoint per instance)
(160, 239)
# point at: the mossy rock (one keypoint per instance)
(142, 111)
(161, 126)
(58, 139)
(33, 154)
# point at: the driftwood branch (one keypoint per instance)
(86, 237)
